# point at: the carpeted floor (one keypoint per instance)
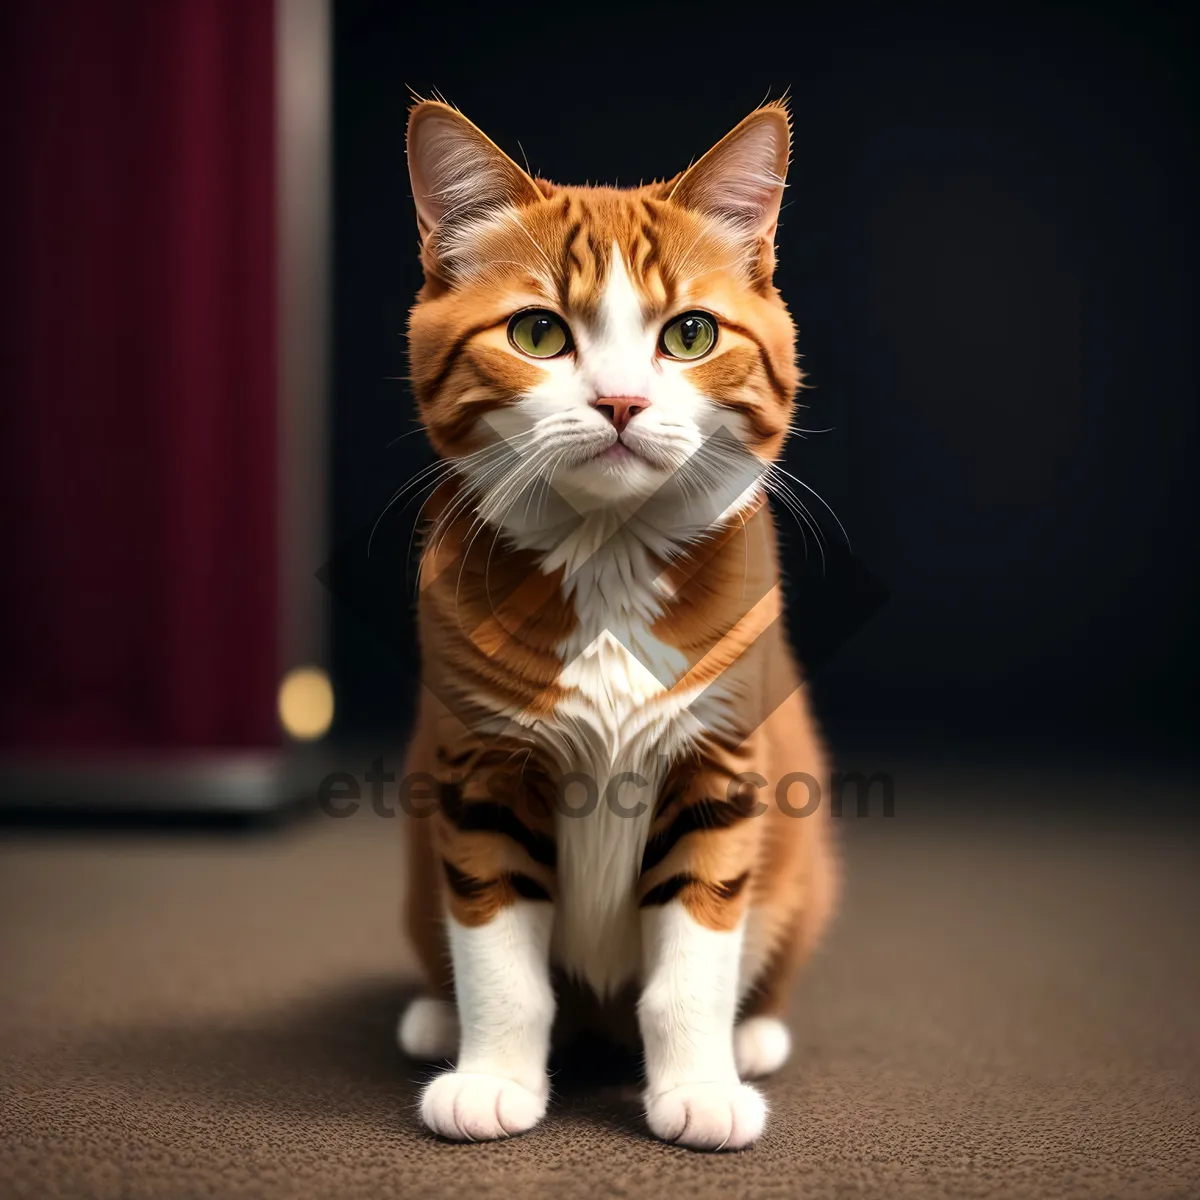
(1008, 1007)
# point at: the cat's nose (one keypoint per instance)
(620, 410)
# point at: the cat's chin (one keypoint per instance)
(616, 476)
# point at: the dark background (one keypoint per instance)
(989, 250)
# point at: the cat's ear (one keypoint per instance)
(458, 173)
(740, 181)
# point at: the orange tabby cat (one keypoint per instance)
(611, 714)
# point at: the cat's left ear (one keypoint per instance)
(740, 181)
(458, 173)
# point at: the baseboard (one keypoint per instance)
(253, 782)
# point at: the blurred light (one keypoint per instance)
(306, 703)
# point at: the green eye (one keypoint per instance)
(539, 334)
(691, 336)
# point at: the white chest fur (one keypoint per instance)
(615, 734)
(615, 730)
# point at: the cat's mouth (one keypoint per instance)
(620, 453)
(619, 457)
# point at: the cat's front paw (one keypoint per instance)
(467, 1107)
(707, 1116)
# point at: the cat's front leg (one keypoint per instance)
(497, 862)
(694, 895)
(686, 1012)
(499, 1085)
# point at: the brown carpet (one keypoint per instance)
(1008, 1007)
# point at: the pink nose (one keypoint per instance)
(620, 410)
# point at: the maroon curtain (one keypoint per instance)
(137, 382)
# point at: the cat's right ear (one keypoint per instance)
(740, 181)
(458, 173)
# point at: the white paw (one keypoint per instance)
(428, 1030)
(760, 1045)
(707, 1116)
(478, 1108)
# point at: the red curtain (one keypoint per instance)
(137, 381)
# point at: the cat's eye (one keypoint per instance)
(539, 333)
(691, 336)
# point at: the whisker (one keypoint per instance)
(819, 497)
(442, 467)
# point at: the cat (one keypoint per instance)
(610, 714)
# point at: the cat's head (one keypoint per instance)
(601, 335)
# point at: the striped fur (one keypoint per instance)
(601, 604)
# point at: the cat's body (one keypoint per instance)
(610, 710)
